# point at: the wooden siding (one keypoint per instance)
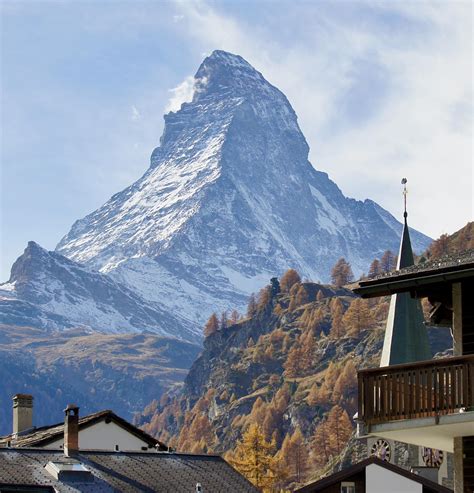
(416, 390)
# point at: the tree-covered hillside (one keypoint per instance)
(287, 370)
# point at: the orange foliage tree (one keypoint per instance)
(212, 325)
(289, 278)
(341, 273)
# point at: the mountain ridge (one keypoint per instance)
(50, 291)
(229, 200)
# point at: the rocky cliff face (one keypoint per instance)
(230, 199)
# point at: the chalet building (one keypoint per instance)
(430, 402)
(34, 462)
(103, 430)
(374, 475)
(406, 341)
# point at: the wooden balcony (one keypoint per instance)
(416, 390)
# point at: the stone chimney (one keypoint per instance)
(22, 413)
(71, 430)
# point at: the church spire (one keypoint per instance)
(406, 337)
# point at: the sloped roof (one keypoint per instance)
(125, 471)
(44, 435)
(447, 268)
(360, 466)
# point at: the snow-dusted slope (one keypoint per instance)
(230, 200)
(47, 290)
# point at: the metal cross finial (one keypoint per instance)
(405, 191)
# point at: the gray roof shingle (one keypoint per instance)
(125, 472)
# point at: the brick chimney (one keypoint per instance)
(22, 412)
(71, 430)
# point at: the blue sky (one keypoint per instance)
(382, 90)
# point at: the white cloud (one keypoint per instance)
(180, 94)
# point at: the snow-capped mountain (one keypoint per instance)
(229, 200)
(49, 291)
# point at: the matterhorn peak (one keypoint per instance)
(229, 75)
(229, 201)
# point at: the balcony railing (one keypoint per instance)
(416, 390)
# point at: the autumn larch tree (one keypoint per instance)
(339, 429)
(289, 278)
(374, 269)
(346, 384)
(341, 273)
(298, 296)
(312, 319)
(264, 298)
(307, 341)
(294, 362)
(357, 317)
(337, 311)
(440, 247)
(301, 296)
(253, 457)
(294, 456)
(464, 239)
(387, 262)
(282, 398)
(212, 325)
(323, 394)
(321, 446)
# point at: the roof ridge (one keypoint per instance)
(48, 433)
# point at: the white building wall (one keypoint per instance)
(378, 480)
(104, 436)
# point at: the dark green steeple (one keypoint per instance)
(406, 337)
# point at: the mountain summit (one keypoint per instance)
(229, 200)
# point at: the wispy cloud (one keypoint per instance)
(180, 94)
(135, 114)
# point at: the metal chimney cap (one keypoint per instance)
(25, 400)
(72, 407)
(22, 396)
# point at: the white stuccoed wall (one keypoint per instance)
(103, 436)
(378, 480)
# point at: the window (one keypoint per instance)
(348, 487)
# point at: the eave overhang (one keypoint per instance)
(419, 284)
